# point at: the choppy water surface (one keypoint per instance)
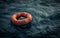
(45, 18)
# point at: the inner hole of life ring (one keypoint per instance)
(21, 18)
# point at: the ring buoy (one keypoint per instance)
(27, 19)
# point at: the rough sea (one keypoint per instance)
(45, 22)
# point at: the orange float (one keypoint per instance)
(28, 18)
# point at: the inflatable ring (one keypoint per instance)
(28, 18)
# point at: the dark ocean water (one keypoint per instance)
(45, 23)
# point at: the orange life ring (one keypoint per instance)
(28, 18)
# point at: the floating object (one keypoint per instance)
(27, 18)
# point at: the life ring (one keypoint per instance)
(28, 18)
